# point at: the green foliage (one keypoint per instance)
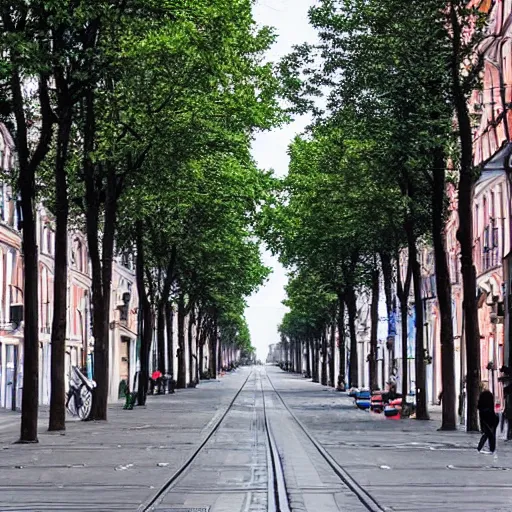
(311, 304)
(194, 92)
(177, 90)
(364, 169)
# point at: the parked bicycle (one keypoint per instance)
(79, 401)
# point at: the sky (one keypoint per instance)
(290, 20)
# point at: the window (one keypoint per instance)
(77, 255)
(80, 251)
(3, 152)
(2, 202)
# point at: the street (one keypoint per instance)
(129, 462)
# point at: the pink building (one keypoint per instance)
(492, 243)
(79, 342)
(491, 110)
(11, 283)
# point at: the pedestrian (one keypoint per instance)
(489, 421)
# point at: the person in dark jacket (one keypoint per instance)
(489, 420)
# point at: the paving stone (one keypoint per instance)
(405, 465)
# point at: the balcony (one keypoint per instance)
(491, 251)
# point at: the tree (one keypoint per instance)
(401, 87)
(325, 222)
(72, 30)
(311, 305)
(170, 75)
(25, 55)
(465, 77)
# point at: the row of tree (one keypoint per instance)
(133, 120)
(367, 182)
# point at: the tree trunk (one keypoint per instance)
(145, 350)
(58, 335)
(219, 354)
(101, 345)
(182, 362)
(405, 370)
(421, 391)
(465, 231)
(191, 365)
(200, 339)
(403, 290)
(213, 349)
(353, 371)
(299, 357)
(147, 318)
(374, 313)
(323, 376)
(332, 351)
(160, 335)
(341, 348)
(101, 264)
(169, 317)
(169, 321)
(201, 360)
(314, 349)
(26, 184)
(324, 358)
(165, 318)
(29, 406)
(212, 363)
(387, 275)
(444, 295)
(308, 359)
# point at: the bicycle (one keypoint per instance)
(79, 401)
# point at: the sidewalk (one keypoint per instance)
(112, 465)
(407, 465)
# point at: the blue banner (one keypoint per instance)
(89, 366)
(411, 333)
(392, 324)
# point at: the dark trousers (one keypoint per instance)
(488, 433)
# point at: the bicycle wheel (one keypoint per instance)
(85, 408)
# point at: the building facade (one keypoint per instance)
(11, 285)
(79, 339)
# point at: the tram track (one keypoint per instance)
(278, 496)
(277, 499)
(149, 505)
(366, 499)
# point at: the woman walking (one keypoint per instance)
(489, 421)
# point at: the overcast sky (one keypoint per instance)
(290, 20)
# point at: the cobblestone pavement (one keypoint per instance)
(404, 465)
(230, 473)
(311, 483)
(114, 465)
